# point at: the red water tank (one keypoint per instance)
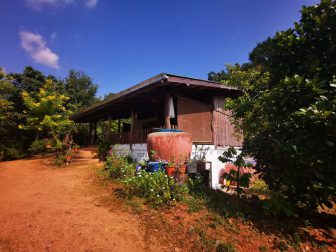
(170, 146)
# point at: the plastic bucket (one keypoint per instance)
(154, 166)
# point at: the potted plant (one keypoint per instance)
(182, 164)
(76, 148)
(48, 144)
(155, 163)
(170, 168)
(68, 156)
(183, 168)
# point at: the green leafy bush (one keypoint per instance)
(259, 186)
(225, 247)
(59, 160)
(232, 156)
(287, 110)
(156, 187)
(38, 147)
(119, 167)
(10, 153)
(195, 183)
(278, 205)
(103, 149)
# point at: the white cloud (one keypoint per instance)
(40, 4)
(91, 3)
(35, 45)
(53, 36)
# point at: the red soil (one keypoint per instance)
(44, 208)
(52, 209)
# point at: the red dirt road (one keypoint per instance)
(51, 209)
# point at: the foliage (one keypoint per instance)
(156, 187)
(46, 112)
(225, 247)
(80, 89)
(60, 159)
(288, 108)
(233, 157)
(10, 147)
(259, 186)
(154, 156)
(119, 167)
(19, 122)
(278, 205)
(215, 200)
(38, 147)
(103, 149)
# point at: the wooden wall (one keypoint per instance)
(194, 117)
(224, 133)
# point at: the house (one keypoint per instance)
(173, 102)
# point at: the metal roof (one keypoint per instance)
(151, 83)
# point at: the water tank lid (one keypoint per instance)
(167, 130)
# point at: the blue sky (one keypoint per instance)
(120, 43)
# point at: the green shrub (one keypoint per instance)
(103, 149)
(59, 160)
(259, 186)
(194, 204)
(10, 153)
(195, 183)
(118, 166)
(37, 147)
(58, 145)
(225, 247)
(156, 187)
(277, 205)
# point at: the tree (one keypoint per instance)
(288, 109)
(213, 76)
(10, 147)
(46, 114)
(242, 180)
(80, 89)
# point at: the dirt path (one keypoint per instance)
(51, 209)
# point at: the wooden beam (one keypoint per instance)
(95, 133)
(110, 128)
(119, 125)
(90, 134)
(132, 127)
(166, 111)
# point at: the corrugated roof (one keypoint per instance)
(152, 83)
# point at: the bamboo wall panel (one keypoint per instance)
(194, 117)
(224, 133)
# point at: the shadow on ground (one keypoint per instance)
(294, 229)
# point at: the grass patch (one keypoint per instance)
(135, 204)
(216, 221)
(225, 247)
(194, 204)
(262, 248)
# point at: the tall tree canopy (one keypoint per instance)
(34, 104)
(80, 89)
(46, 113)
(288, 110)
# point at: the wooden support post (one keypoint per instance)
(95, 133)
(119, 125)
(132, 127)
(90, 134)
(110, 128)
(166, 111)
